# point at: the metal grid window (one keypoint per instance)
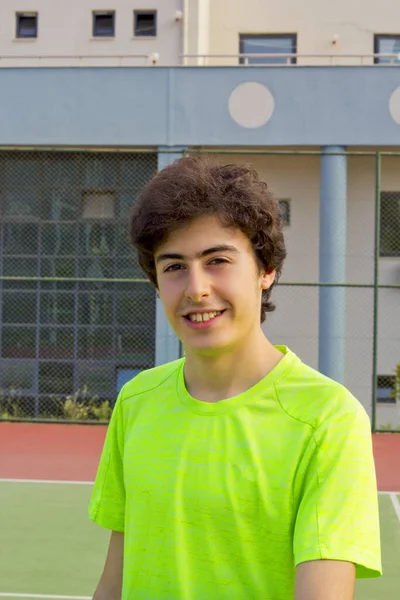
(386, 44)
(251, 43)
(284, 206)
(386, 389)
(145, 23)
(104, 24)
(390, 224)
(26, 25)
(68, 323)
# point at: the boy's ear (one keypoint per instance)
(267, 278)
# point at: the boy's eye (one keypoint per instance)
(175, 267)
(217, 261)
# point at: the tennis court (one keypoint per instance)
(49, 549)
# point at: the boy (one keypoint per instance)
(238, 472)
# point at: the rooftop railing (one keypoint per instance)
(199, 60)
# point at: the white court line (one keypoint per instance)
(46, 481)
(396, 504)
(4, 595)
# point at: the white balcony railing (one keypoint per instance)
(83, 60)
(291, 60)
(199, 60)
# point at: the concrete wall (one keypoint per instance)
(65, 28)
(295, 321)
(191, 106)
(314, 21)
(208, 27)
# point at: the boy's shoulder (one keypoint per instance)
(150, 379)
(308, 396)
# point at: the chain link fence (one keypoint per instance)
(78, 317)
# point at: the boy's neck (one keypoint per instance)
(214, 378)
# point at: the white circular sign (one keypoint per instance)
(394, 105)
(251, 105)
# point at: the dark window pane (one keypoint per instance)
(58, 268)
(20, 267)
(20, 238)
(136, 346)
(56, 343)
(95, 269)
(95, 343)
(386, 389)
(56, 378)
(103, 24)
(26, 26)
(267, 44)
(22, 203)
(99, 173)
(96, 239)
(22, 170)
(126, 200)
(95, 308)
(386, 44)
(19, 307)
(60, 205)
(123, 245)
(128, 268)
(56, 308)
(60, 170)
(18, 342)
(135, 170)
(136, 307)
(18, 375)
(145, 23)
(98, 377)
(390, 224)
(284, 206)
(58, 239)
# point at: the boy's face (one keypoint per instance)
(210, 285)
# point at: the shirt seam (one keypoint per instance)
(287, 412)
(149, 389)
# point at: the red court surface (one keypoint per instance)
(71, 453)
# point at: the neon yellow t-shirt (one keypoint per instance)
(222, 500)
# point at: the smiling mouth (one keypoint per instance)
(203, 317)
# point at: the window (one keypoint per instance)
(385, 393)
(98, 205)
(267, 44)
(145, 23)
(390, 224)
(27, 25)
(104, 24)
(284, 206)
(387, 44)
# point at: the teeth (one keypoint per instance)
(201, 317)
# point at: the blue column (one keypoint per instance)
(167, 344)
(332, 263)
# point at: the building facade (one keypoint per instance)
(96, 98)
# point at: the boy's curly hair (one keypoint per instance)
(195, 186)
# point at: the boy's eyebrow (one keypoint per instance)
(213, 250)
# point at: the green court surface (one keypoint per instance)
(49, 548)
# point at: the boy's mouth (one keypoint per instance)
(203, 317)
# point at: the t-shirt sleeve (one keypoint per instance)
(338, 516)
(107, 504)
